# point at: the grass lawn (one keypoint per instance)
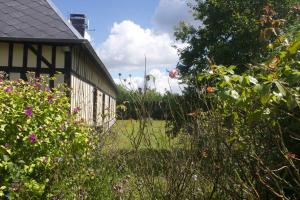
(127, 135)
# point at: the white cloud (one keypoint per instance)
(169, 13)
(127, 44)
(87, 36)
(161, 82)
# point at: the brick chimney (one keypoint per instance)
(78, 21)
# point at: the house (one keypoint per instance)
(34, 37)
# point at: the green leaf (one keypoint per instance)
(265, 94)
(294, 47)
(230, 71)
(291, 102)
(5, 158)
(282, 55)
(2, 127)
(280, 88)
(246, 80)
(232, 139)
(226, 78)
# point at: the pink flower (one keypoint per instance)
(173, 73)
(76, 110)
(28, 111)
(47, 89)
(32, 138)
(9, 89)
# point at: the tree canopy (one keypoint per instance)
(229, 34)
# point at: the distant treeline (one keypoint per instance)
(155, 105)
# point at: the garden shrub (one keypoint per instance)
(37, 134)
(251, 129)
(246, 123)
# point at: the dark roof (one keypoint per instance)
(40, 21)
(33, 19)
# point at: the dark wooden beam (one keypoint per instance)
(53, 66)
(28, 69)
(10, 58)
(95, 105)
(25, 62)
(68, 68)
(109, 111)
(103, 109)
(39, 55)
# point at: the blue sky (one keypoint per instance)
(103, 13)
(127, 30)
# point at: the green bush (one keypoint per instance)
(251, 128)
(37, 134)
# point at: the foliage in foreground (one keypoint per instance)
(247, 122)
(37, 135)
(256, 119)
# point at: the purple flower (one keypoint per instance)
(9, 89)
(28, 111)
(76, 110)
(50, 99)
(37, 85)
(32, 138)
(7, 146)
(47, 89)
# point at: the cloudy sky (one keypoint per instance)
(123, 32)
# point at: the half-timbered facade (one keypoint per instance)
(34, 37)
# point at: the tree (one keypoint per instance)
(135, 101)
(230, 33)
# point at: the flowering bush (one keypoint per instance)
(37, 131)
